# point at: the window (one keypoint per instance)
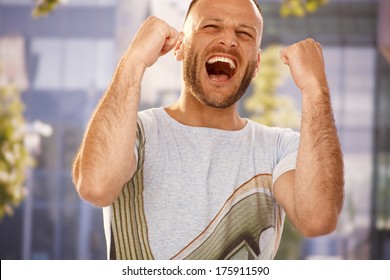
(47, 60)
(16, 2)
(72, 64)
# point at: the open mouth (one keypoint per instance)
(220, 69)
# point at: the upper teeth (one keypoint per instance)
(222, 59)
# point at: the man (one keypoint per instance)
(195, 180)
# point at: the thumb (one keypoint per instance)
(170, 41)
(284, 55)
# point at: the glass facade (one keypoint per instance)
(347, 33)
(70, 57)
(380, 232)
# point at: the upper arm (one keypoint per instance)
(283, 189)
(309, 221)
(284, 171)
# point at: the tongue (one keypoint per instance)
(219, 77)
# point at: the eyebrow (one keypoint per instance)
(219, 20)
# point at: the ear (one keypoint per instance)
(257, 63)
(179, 49)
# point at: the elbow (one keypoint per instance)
(323, 216)
(94, 193)
(319, 225)
(97, 187)
(90, 188)
(318, 230)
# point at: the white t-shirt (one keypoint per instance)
(201, 193)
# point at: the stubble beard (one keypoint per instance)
(191, 77)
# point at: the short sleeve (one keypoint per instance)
(286, 164)
(287, 151)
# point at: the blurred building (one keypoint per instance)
(380, 224)
(70, 57)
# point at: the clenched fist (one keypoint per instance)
(306, 63)
(154, 39)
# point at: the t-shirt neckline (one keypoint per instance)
(206, 130)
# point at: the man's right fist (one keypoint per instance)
(154, 39)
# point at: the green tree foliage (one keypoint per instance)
(300, 8)
(263, 103)
(44, 7)
(14, 157)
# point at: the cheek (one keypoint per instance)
(254, 61)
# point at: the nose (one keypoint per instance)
(228, 38)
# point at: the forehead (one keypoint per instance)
(237, 11)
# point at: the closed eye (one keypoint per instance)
(245, 34)
(211, 27)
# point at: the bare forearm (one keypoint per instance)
(312, 195)
(319, 171)
(106, 157)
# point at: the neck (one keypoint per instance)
(191, 112)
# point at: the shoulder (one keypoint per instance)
(270, 132)
(150, 118)
(149, 114)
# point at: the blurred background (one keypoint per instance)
(57, 59)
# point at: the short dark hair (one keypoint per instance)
(193, 2)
